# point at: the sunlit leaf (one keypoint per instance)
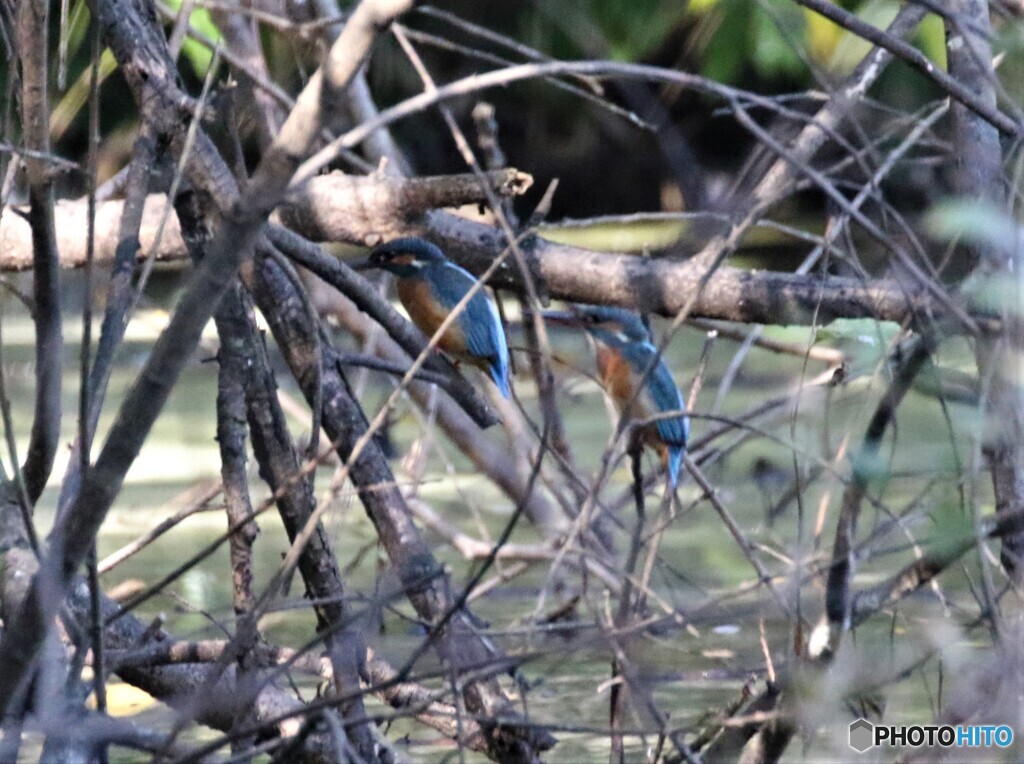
(822, 35)
(77, 96)
(851, 48)
(931, 39)
(197, 54)
(629, 40)
(78, 25)
(777, 27)
(724, 53)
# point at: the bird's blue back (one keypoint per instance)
(663, 395)
(479, 320)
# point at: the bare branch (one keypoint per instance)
(71, 540)
(959, 90)
(378, 203)
(838, 602)
(33, 49)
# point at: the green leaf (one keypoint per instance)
(634, 29)
(724, 56)
(777, 28)
(198, 55)
(852, 48)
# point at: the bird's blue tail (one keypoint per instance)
(499, 373)
(675, 460)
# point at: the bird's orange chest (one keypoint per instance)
(616, 375)
(620, 380)
(428, 314)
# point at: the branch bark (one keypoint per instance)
(977, 157)
(379, 208)
(279, 465)
(374, 200)
(32, 35)
(71, 540)
(423, 578)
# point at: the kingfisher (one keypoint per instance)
(430, 286)
(624, 353)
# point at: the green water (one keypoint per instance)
(689, 670)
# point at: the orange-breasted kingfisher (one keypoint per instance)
(430, 286)
(624, 353)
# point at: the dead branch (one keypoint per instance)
(570, 273)
(170, 684)
(385, 205)
(382, 679)
(961, 90)
(279, 466)
(421, 575)
(33, 50)
(978, 175)
(72, 539)
(377, 200)
(231, 437)
(838, 602)
(653, 285)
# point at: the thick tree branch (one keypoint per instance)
(423, 578)
(231, 440)
(33, 28)
(665, 286)
(977, 157)
(279, 468)
(71, 540)
(380, 208)
(378, 203)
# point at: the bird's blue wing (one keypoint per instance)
(479, 320)
(662, 393)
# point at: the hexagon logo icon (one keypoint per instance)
(861, 735)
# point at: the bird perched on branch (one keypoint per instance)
(430, 286)
(624, 354)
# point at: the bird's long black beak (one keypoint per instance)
(561, 317)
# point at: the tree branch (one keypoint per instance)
(959, 90)
(33, 50)
(379, 202)
(233, 242)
